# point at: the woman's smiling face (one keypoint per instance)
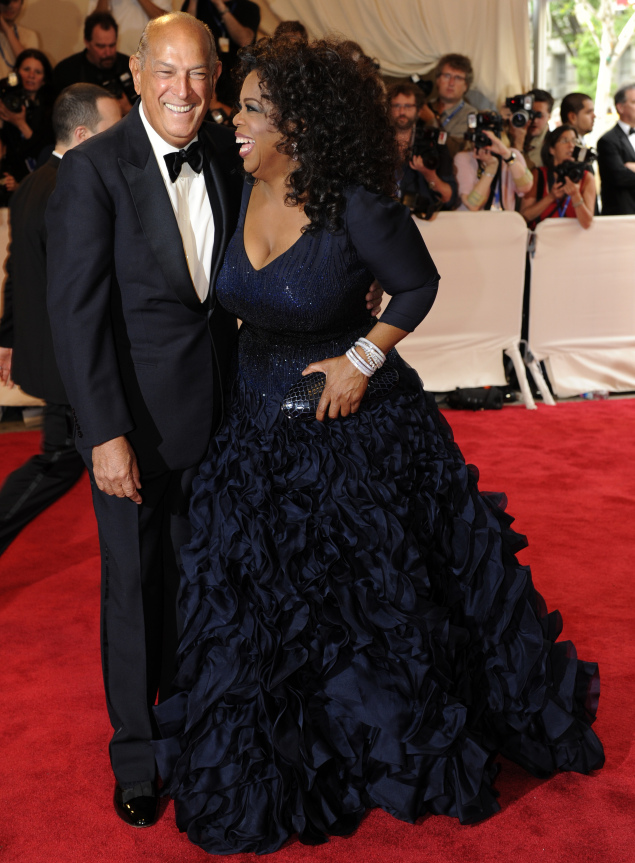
(258, 136)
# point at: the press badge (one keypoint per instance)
(223, 44)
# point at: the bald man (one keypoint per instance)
(134, 251)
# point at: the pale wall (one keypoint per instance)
(59, 24)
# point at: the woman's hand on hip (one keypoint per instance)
(343, 390)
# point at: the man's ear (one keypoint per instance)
(215, 75)
(81, 133)
(135, 71)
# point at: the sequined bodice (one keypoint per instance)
(306, 305)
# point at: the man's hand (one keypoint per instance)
(374, 298)
(630, 165)
(6, 355)
(116, 470)
(416, 163)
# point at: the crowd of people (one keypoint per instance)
(455, 156)
(29, 86)
(446, 161)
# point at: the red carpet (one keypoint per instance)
(568, 472)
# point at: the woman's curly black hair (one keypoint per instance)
(328, 102)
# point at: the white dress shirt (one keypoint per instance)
(631, 138)
(193, 211)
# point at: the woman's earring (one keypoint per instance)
(294, 147)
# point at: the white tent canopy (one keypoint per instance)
(405, 36)
(409, 36)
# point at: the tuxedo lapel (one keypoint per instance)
(625, 144)
(217, 195)
(156, 214)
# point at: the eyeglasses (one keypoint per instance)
(396, 106)
(447, 76)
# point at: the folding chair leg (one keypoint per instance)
(519, 367)
(541, 383)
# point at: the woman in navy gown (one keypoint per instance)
(357, 629)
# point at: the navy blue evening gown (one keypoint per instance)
(357, 629)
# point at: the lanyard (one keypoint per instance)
(562, 209)
(445, 122)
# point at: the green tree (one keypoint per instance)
(595, 33)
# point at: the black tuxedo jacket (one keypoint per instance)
(25, 323)
(139, 354)
(618, 182)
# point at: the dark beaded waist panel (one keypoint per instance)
(271, 362)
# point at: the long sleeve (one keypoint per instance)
(81, 301)
(390, 245)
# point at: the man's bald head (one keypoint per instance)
(156, 26)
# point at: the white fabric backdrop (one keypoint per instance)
(406, 36)
(582, 308)
(409, 36)
(477, 313)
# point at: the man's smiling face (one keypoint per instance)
(177, 80)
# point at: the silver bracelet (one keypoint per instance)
(376, 357)
(360, 364)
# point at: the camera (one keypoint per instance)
(426, 144)
(423, 208)
(424, 86)
(121, 85)
(522, 109)
(575, 167)
(12, 94)
(477, 124)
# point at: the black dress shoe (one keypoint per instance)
(138, 806)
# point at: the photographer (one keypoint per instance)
(519, 113)
(490, 175)
(26, 103)
(131, 17)
(538, 128)
(449, 111)
(426, 181)
(100, 63)
(562, 188)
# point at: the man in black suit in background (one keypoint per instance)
(616, 158)
(26, 346)
(134, 252)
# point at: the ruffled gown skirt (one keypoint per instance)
(358, 633)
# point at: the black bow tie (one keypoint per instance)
(193, 156)
(631, 131)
